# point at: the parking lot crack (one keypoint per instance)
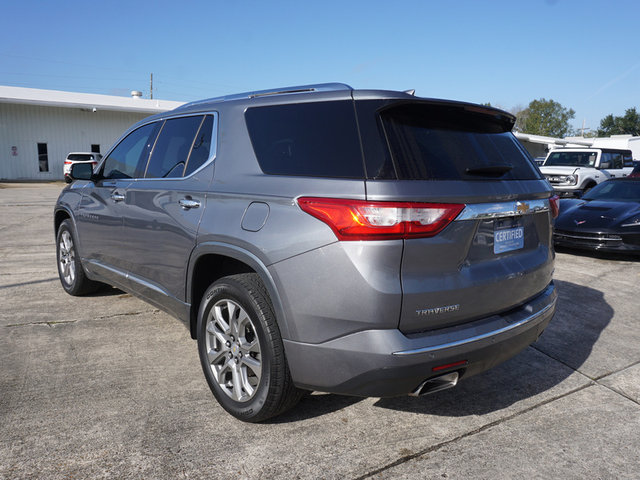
(47, 323)
(488, 426)
(52, 323)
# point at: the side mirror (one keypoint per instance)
(81, 171)
(605, 164)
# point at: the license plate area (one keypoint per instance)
(508, 235)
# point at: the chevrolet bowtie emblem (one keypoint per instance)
(522, 208)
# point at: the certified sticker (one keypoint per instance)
(508, 239)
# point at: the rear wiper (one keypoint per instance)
(490, 170)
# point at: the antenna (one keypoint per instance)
(151, 87)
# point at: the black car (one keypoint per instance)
(607, 218)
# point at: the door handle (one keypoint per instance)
(117, 197)
(188, 203)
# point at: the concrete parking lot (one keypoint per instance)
(107, 386)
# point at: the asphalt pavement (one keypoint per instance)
(107, 386)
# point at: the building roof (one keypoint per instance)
(56, 98)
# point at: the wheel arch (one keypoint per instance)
(60, 215)
(211, 261)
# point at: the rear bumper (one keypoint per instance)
(383, 363)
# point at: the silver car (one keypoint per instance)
(323, 238)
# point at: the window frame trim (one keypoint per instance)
(213, 151)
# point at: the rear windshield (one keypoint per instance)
(317, 139)
(430, 142)
(78, 157)
(571, 159)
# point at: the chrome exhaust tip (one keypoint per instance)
(436, 384)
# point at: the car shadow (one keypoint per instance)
(581, 316)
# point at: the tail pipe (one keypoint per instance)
(436, 384)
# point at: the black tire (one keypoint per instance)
(252, 393)
(72, 275)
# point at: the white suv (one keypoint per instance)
(79, 157)
(574, 171)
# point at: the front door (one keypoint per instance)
(99, 218)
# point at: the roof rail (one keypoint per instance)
(321, 87)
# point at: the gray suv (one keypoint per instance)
(360, 242)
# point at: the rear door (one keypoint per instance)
(164, 207)
(497, 253)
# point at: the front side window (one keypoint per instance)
(172, 148)
(129, 158)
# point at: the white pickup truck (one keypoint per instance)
(573, 171)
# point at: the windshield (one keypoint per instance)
(617, 191)
(571, 159)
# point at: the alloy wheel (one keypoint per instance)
(233, 350)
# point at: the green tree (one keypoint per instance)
(546, 117)
(629, 124)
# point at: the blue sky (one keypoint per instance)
(583, 54)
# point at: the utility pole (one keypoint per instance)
(151, 87)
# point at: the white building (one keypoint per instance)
(38, 128)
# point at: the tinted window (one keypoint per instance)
(628, 159)
(201, 146)
(172, 147)
(614, 159)
(79, 157)
(311, 139)
(450, 143)
(129, 158)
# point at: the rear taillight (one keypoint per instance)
(364, 220)
(67, 162)
(554, 203)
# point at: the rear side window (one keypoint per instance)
(429, 142)
(317, 139)
(201, 147)
(172, 147)
(628, 159)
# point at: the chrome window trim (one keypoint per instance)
(212, 153)
(483, 336)
(482, 211)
